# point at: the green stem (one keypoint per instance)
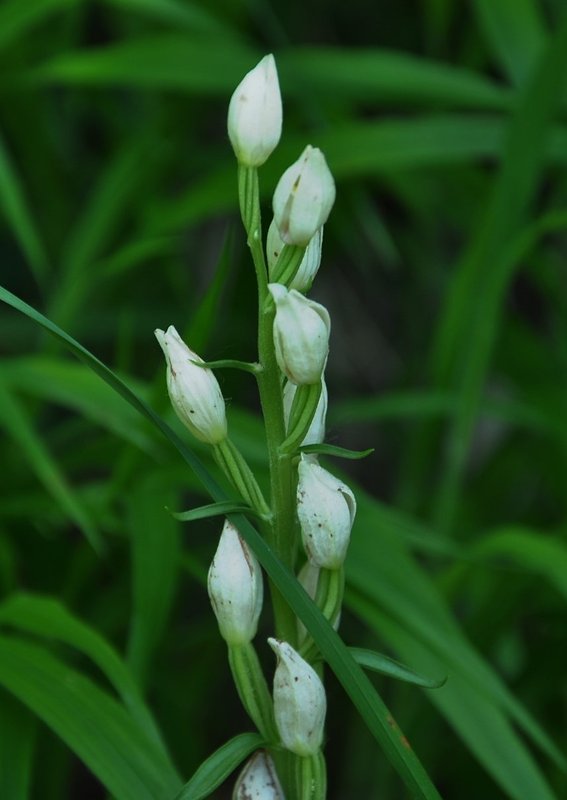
(283, 534)
(310, 777)
(252, 688)
(233, 464)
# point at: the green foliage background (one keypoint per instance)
(444, 273)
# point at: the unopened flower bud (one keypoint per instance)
(255, 114)
(258, 780)
(310, 263)
(300, 703)
(326, 508)
(194, 391)
(316, 431)
(301, 335)
(235, 587)
(304, 197)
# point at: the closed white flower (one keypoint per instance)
(310, 263)
(304, 197)
(300, 703)
(258, 780)
(326, 508)
(235, 587)
(194, 391)
(301, 335)
(255, 114)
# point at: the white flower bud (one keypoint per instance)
(194, 391)
(326, 508)
(316, 431)
(300, 703)
(301, 335)
(235, 587)
(304, 197)
(255, 114)
(258, 780)
(310, 263)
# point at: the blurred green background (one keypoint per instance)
(444, 123)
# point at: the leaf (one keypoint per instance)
(14, 205)
(529, 550)
(18, 735)
(187, 13)
(212, 510)
(90, 722)
(333, 450)
(74, 386)
(515, 32)
(47, 617)
(350, 675)
(480, 722)
(155, 547)
(217, 767)
(17, 18)
(376, 662)
(483, 274)
(17, 425)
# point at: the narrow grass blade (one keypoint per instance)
(376, 662)
(217, 767)
(18, 736)
(90, 722)
(155, 547)
(17, 18)
(515, 32)
(479, 722)
(337, 452)
(528, 550)
(47, 617)
(16, 424)
(18, 215)
(186, 14)
(212, 510)
(360, 690)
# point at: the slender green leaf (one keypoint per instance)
(334, 450)
(212, 510)
(478, 721)
(216, 769)
(17, 18)
(15, 207)
(17, 735)
(186, 13)
(376, 662)
(515, 32)
(47, 617)
(155, 546)
(90, 722)
(360, 690)
(529, 550)
(16, 423)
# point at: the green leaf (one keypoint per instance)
(156, 549)
(478, 720)
(90, 722)
(17, 18)
(47, 617)
(14, 205)
(334, 651)
(376, 662)
(186, 13)
(16, 423)
(18, 735)
(212, 510)
(334, 450)
(531, 551)
(483, 274)
(217, 767)
(515, 32)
